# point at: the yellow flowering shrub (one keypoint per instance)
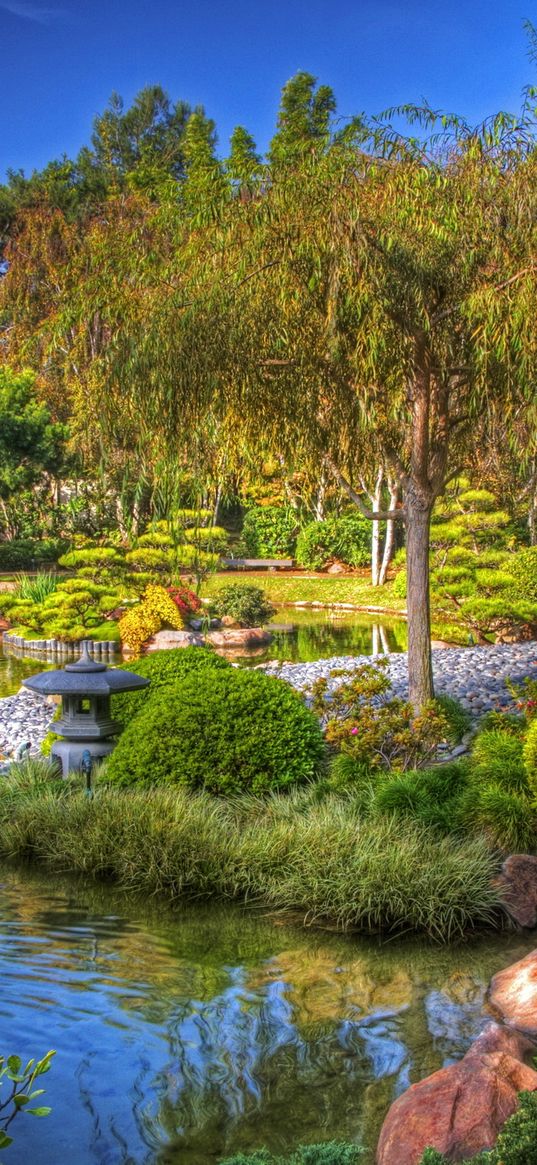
(154, 610)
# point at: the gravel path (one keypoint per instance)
(474, 675)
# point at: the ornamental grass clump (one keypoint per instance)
(225, 731)
(320, 862)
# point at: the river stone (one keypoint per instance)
(164, 640)
(517, 884)
(513, 993)
(460, 1109)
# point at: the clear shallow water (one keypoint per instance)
(186, 1035)
(310, 635)
(318, 634)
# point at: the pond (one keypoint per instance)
(183, 1036)
(304, 634)
(301, 635)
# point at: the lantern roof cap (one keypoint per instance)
(86, 677)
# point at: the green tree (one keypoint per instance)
(31, 444)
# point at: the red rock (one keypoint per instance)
(518, 888)
(513, 993)
(240, 637)
(460, 1109)
(164, 640)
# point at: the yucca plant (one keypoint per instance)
(36, 587)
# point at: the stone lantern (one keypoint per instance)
(85, 723)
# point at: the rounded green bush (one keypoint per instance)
(163, 668)
(347, 538)
(226, 732)
(245, 603)
(270, 532)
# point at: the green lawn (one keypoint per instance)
(307, 588)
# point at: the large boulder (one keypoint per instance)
(164, 640)
(517, 884)
(240, 637)
(460, 1109)
(513, 993)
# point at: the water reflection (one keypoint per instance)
(185, 1036)
(317, 634)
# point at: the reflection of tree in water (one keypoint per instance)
(194, 1033)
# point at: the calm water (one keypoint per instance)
(185, 1036)
(316, 634)
(309, 635)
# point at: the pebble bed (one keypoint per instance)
(473, 675)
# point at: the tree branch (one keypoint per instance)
(372, 515)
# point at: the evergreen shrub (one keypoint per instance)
(29, 553)
(238, 731)
(347, 539)
(163, 668)
(523, 569)
(270, 532)
(245, 603)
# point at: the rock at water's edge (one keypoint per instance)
(168, 639)
(517, 884)
(460, 1109)
(240, 637)
(513, 993)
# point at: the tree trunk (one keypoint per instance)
(420, 669)
(390, 533)
(320, 498)
(376, 499)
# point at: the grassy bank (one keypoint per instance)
(317, 860)
(312, 588)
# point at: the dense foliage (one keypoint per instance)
(329, 1153)
(347, 539)
(319, 859)
(163, 668)
(243, 602)
(222, 730)
(270, 532)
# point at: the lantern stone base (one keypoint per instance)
(68, 753)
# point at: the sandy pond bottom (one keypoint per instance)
(186, 1035)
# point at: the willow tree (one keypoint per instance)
(366, 303)
(369, 307)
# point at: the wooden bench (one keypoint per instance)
(258, 563)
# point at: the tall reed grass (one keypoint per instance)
(320, 861)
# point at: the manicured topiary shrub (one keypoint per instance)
(523, 569)
(163, 668)
(245, 603)
(347, 538)
(238, 730)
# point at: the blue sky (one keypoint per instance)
(61, 59)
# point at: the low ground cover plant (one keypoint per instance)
(241, 731)
(243, 602)
(329, 1153)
